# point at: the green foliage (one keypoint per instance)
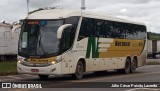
(8, 68)
(153, 36)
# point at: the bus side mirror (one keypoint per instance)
(61, 29)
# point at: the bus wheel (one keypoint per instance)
(43, 76)
(133, 65)
(79, 70)
(127, 68)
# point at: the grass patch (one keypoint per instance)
(8, 68)
(153, 63)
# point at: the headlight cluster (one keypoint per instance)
(20, 60)
(57, 61)
(53, 62)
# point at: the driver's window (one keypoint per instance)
(66, 40)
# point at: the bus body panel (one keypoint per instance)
(111, 55)
(143, 57)
(66, 62)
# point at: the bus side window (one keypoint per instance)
(134, 31)
(66, 40)
(85, 29)
(74, 21)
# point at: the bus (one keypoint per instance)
(61, 41)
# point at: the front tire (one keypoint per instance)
(79, 71)
(43, 76)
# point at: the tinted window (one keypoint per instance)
(74, 21)
(85, 30)
(68, 35)
(65, 40)
(110, 29)
(100, 28)
(135, 31)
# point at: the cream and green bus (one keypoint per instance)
(61, 41)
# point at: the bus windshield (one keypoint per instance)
(39, 38)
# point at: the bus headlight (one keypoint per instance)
(56, 61)
(20, 60)
(53, 62)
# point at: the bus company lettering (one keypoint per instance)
(117, 43)
(39, 60)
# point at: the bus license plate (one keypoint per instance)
(34, 70)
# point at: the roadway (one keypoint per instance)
(149, 73)
(150, 60)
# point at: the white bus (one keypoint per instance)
(59, 42)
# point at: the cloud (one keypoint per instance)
(146, 12)
(123, 11)
(141, 10)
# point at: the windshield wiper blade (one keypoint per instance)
(40, 46)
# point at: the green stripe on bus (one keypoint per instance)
(92, 46)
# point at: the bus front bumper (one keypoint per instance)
(48, 70)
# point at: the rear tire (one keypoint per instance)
(133, 65)
(43, 76)
(127, 68)
(79, 71)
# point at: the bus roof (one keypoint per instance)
(64, 13)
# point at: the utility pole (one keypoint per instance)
(83, 6)
(28, 7)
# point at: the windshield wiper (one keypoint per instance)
(40, 46)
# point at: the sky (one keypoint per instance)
(147, 11)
